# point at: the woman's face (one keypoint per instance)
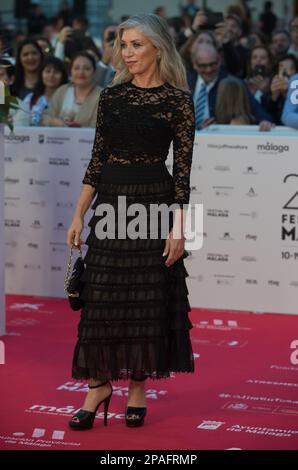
(138, 52)
(51, 76)
(203, 38)
(30, 58)
(260, 57)
(82, 72)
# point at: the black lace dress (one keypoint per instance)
(135, 322)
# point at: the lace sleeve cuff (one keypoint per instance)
(184, 133)
(88, 180)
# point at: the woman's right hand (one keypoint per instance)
(74, 232)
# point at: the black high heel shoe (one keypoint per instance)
(84, 419)
(134, 416)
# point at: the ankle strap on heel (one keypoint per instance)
(99, 385)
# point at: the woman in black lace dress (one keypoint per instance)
(134, 324)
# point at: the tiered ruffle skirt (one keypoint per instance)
(135, 322)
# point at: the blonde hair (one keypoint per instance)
(170, 65)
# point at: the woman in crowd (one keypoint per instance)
(28, 64)
(52, 76)
(232, 103)
(74, 104)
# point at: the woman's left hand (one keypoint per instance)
(174, 248)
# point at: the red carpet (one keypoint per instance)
(243, 394)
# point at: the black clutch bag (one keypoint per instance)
(73, 284)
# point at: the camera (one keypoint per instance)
(213, 18)
(260, 70)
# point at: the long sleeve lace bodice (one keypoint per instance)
(137, 124)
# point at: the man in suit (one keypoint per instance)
(203, 82)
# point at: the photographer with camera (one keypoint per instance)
(198, 23)
(260, 66)
(274, 101)
(75, 38)
(227, 33)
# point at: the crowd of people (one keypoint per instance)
(238, 72)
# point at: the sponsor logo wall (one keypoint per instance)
(246, 180)
(248, 183)
(43, 173)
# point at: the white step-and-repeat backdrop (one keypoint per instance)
(246, 180)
